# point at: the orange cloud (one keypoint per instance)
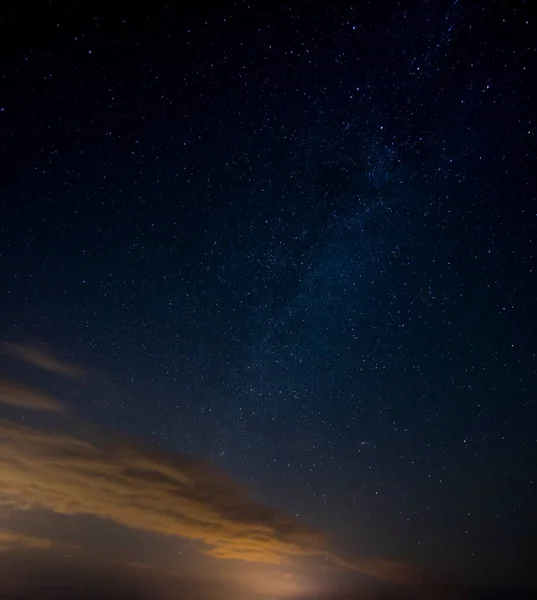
(16, 394)
(145, 490)
(42, 359)
(10, 541)
(151, 491)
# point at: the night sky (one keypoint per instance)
(268, 288)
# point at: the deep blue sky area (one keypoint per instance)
(295, 240)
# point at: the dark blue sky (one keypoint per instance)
(297, 241)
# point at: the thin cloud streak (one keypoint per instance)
(43, 360)
(11, 541)
(396, 572)
(21, 396)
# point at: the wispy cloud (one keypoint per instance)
(11, 541)
(145, 490)
(160, 493)
(43, 360)
(16, 394)
(397, 572)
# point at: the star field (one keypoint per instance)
(297, 241)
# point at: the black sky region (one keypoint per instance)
(296, 239)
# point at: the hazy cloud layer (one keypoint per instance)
(40, 358)
(11, 541)
(155, 492)
(145, 490)
(16, 394)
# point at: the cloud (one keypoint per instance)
(397, 572)
(10, 541)
(16, 394)
(145, 490)
(42, 359)
(151, 491)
